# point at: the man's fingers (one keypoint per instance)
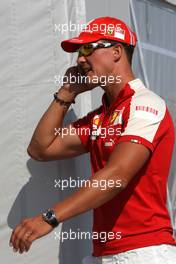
(20, 235)
(16, 230)
(28, 231)
(19, 239)
(23, 242)
(22, 246)
(28, 245)
(29, 241)
(14, 233)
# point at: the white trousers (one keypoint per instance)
(160, 254)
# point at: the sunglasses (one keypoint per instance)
(88, 49)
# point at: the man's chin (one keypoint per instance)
(89, 73)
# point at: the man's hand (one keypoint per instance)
(76, 81)
(27, 231)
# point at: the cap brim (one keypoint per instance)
(73, 44)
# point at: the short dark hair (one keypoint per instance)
(129, 49)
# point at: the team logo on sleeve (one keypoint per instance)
(147, 109)
(146, 112)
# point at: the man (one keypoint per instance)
(130, 139)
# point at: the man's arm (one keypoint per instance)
(124, 163)
(47, 145)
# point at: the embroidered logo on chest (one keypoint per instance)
(96, 128)
(116, 117)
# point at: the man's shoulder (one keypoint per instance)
(144, 97)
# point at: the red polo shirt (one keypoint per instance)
(139, 212)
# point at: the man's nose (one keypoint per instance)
(81, 59)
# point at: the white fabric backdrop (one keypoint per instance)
(30, 57)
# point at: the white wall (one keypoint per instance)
(30, 57)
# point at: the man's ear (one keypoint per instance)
(117, 50)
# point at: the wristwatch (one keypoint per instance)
(50, 217)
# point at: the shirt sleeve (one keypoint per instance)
(147, 122)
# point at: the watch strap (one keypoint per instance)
(62, 102)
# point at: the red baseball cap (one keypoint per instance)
(101, 28)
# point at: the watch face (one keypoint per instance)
(50, 218)
(49, 214)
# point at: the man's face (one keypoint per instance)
(100, 63)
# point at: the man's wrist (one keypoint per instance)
(66, 95)
(62, 102)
